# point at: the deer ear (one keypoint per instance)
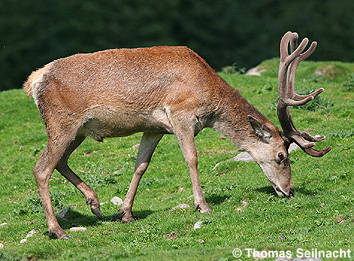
(261, 130)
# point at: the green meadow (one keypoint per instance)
(246, 211)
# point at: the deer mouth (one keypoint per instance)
(282, 192)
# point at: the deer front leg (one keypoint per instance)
(146, 149)
(190, 155)
(184, 131)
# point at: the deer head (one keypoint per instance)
(271, 151)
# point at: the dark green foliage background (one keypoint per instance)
(224, 32)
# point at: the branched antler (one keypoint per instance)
(288, 97)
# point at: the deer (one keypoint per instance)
(157, 91)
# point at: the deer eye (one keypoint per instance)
(281, 157)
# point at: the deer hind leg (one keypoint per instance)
(63, 168)
(43, 171)
(146, 149)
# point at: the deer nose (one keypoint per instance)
(291, 192)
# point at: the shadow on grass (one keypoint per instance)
(266, 190)
(301, 190)
(304, 191)
(74, 218)
(139, 214)
(217, 199)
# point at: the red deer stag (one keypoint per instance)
(157, 91)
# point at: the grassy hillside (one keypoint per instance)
(246, 212)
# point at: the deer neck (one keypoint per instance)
(232, 120)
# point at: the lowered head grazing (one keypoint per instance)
(270, 151)
(271, 148)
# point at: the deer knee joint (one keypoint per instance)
(42, 177)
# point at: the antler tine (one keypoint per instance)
(286, 59)
(291, 38)
(284, 45)
(283, 66)
(309, 51)
(293, 98)
(288, 97)
(317, 153)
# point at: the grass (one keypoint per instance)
(246, 212)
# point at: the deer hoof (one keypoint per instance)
(97, 212)
(127, 215)
(59, 234)
(127, 218)
(204, 209)
(95, 207)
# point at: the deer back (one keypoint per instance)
(127, 90)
